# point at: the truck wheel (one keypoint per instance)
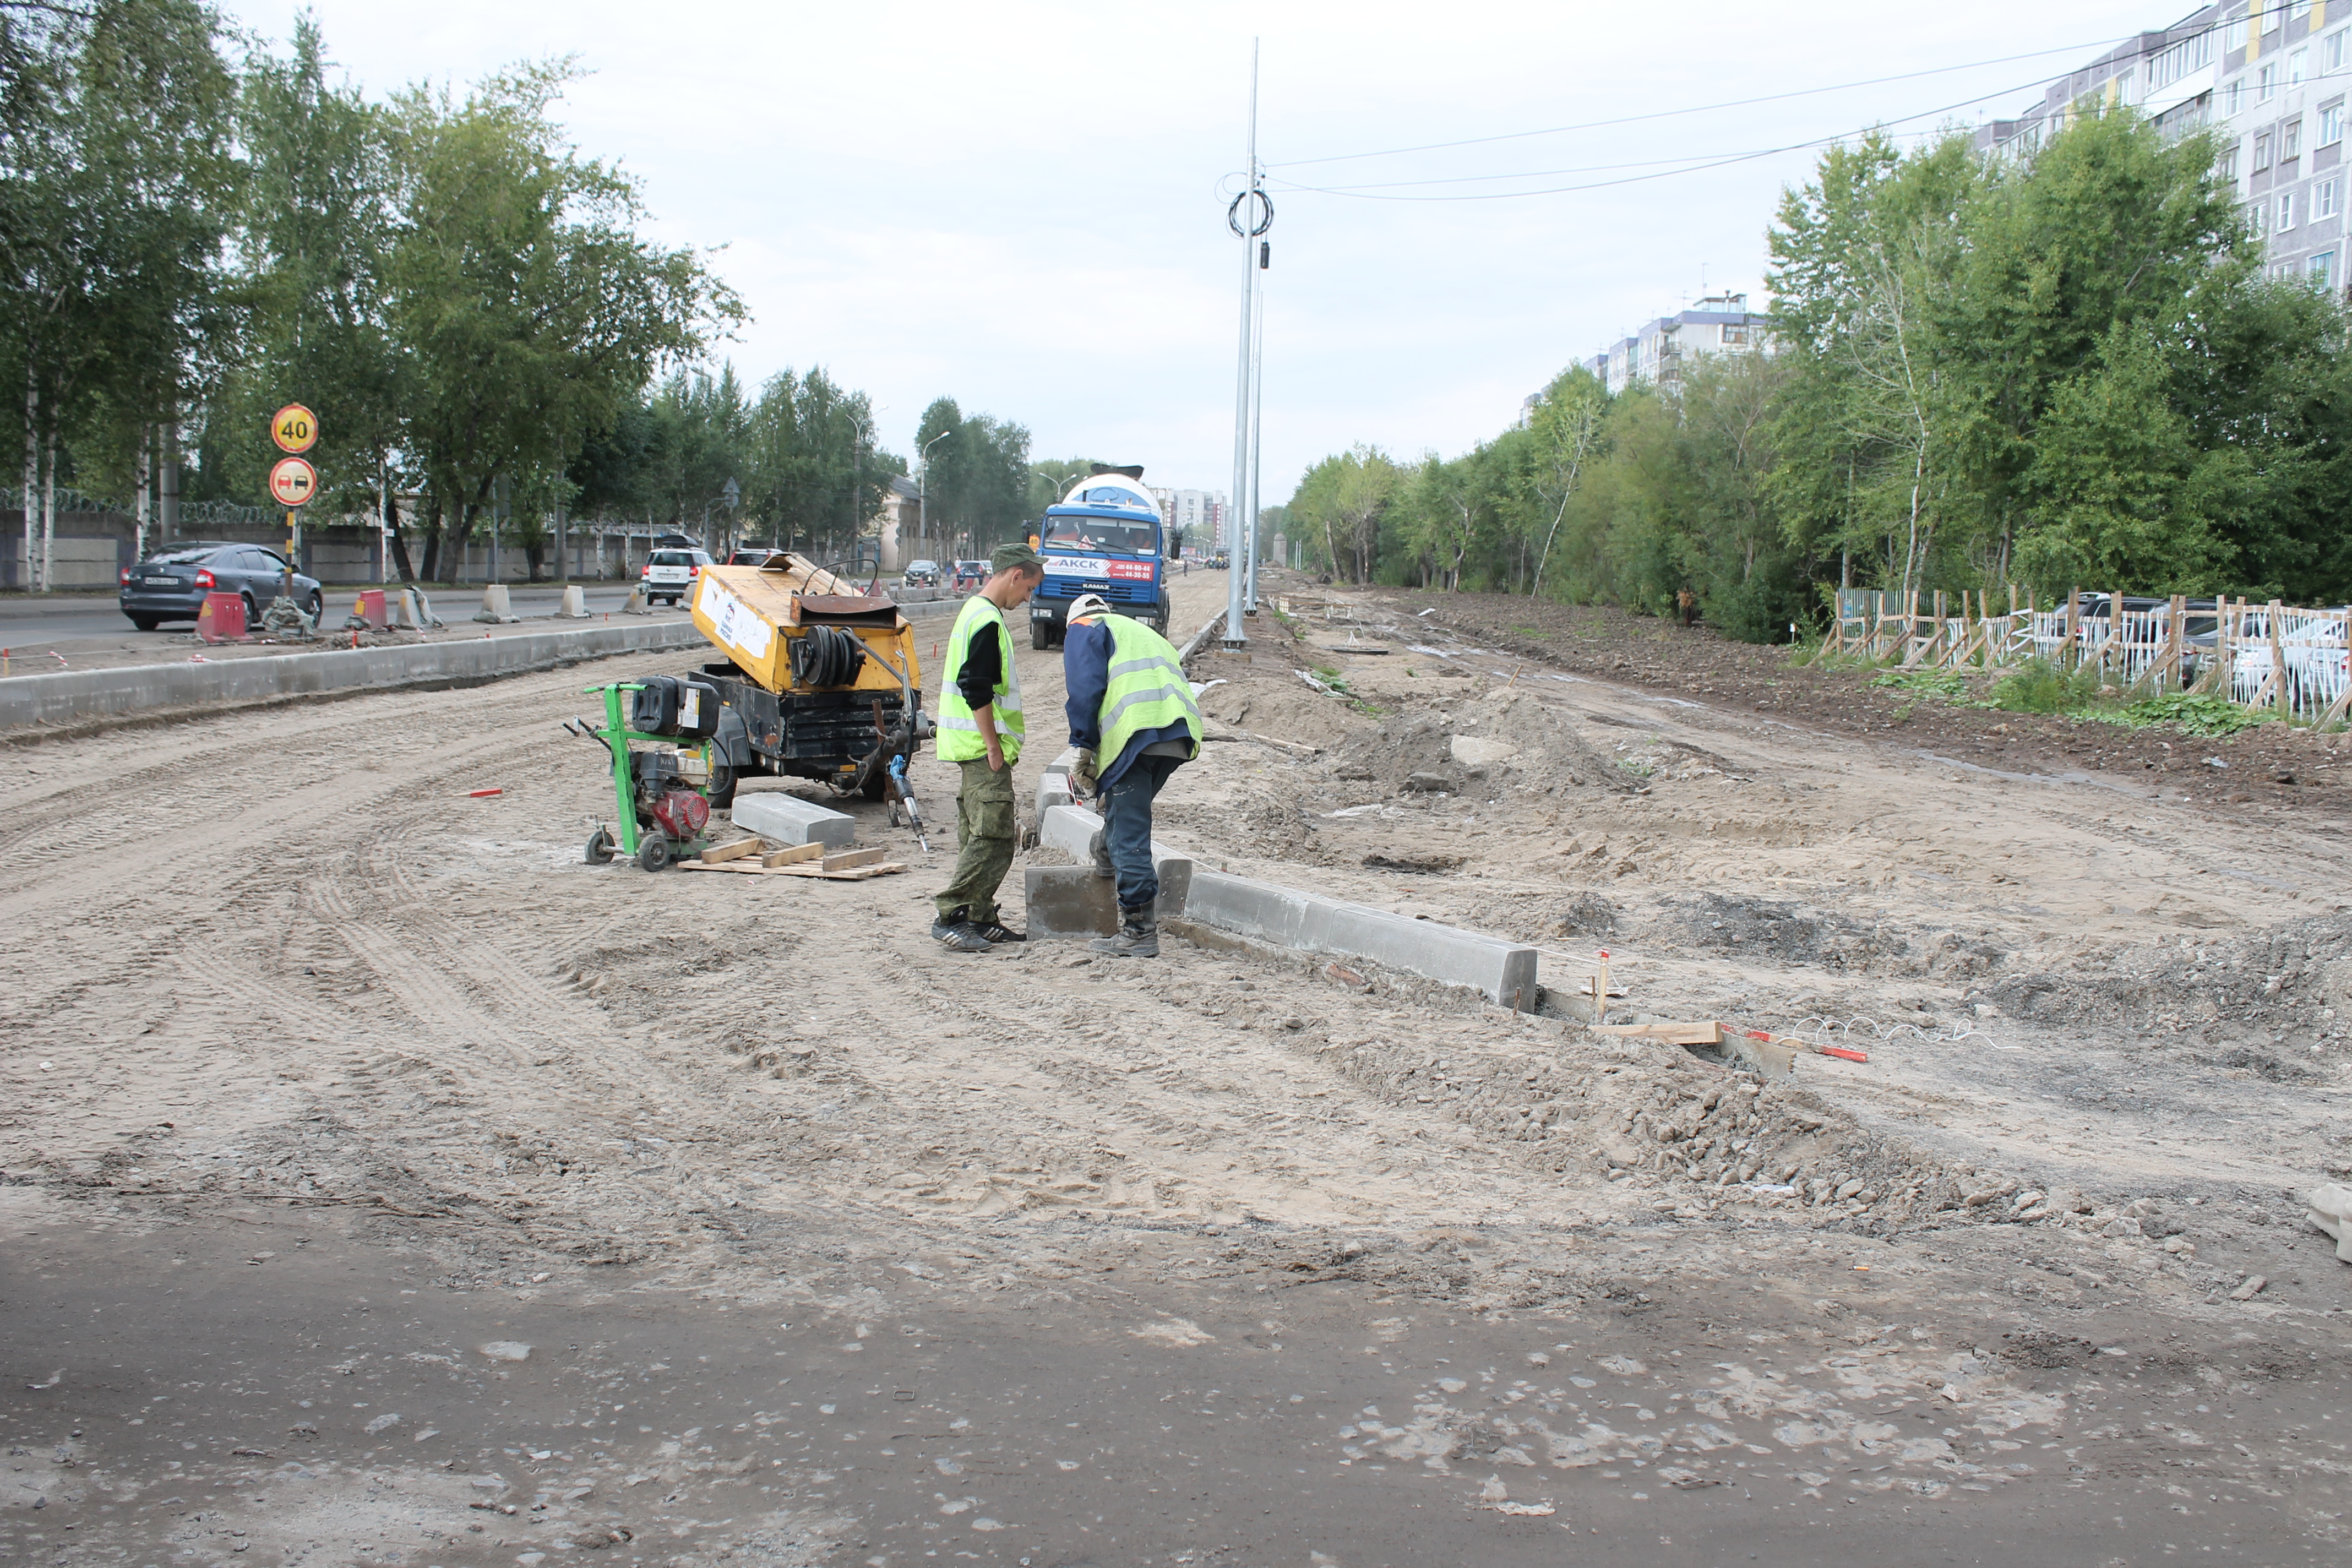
(653, 853)
(1041, 635)
(720, 791)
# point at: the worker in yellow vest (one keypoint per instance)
(980, 728)
(1134, 721)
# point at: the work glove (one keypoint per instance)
(1082, 775)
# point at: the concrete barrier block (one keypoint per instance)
(1071, 829)
(2330, 1208)
(1068, 902)
(576, 603)
(1286, 917)
(497, 606)
(789, 819)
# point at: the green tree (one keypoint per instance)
(316, 216)
(115, 177)
(527, 306)
(976, 480)
(1340, 505)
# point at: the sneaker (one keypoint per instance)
(958, 934)
(997, 932)
(1138, 936)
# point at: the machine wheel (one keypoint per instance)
(652, 854)
(720, 792)
(146, 622)
(600, 849)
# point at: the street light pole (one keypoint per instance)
(923, 490)
(1244, 218)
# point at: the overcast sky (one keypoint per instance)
(1021, 204)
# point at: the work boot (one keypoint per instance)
(1100, 848)
(955, 932)
(1139, 935)
(994, 930)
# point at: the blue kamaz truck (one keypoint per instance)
(1103, 538)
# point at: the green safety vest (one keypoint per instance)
(1148, 690)
(960, 737)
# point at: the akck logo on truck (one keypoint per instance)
(1097, 566)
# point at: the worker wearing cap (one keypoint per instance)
(1134, 721)
(980, 728)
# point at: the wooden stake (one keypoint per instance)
(2278, 663)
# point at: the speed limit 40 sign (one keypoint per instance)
(292, 482)
(294, 427)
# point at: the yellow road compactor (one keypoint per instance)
(819, 681)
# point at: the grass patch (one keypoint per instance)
(2198, 714)
(2038, 686)
(1946, 685)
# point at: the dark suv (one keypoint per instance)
(172, 583)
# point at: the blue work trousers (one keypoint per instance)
(1126, 828)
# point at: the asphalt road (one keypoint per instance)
(37, 621)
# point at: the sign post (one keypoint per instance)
(293, 481)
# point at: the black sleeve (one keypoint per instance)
(983, 666)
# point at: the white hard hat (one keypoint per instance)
(1086, 605)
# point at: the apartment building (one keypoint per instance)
(1660, 349)
(1200, 513)
(2270, 78)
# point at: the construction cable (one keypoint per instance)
(826, 656)
(1823, 1031)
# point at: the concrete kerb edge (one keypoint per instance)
(66, 699)
(1503, 972)
(78, 697)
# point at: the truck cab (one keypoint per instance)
(1103, 538)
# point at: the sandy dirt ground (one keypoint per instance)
(830, 1246)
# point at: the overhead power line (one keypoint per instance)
(1371, 192)
(1701, 109)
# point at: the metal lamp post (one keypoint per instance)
(923, 490)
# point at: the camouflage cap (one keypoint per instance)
(1010, 556)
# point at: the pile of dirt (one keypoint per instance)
(2292, 982)
(1510, 738)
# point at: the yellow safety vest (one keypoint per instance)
(960, 737)
(1148, 688)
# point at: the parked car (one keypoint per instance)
(970, 574)
(172, 583)
(752, 555)
(923, 574)
(671, 573)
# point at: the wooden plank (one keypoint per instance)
(718, 853)
(856, 874)
(798, 852)
(850, 859)
(741, 863)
